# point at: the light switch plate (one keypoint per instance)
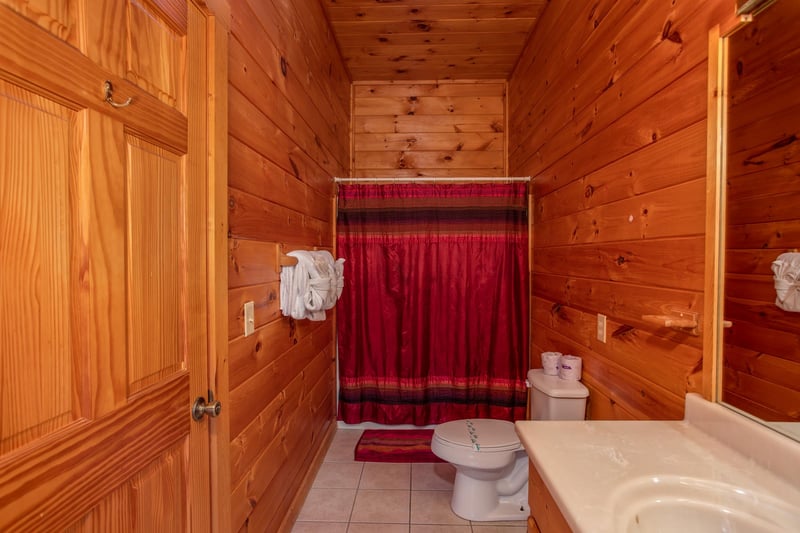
(601, 327)
(249, 318)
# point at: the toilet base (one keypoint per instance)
(478, 500)
(505, 510)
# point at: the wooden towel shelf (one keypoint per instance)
(682, 321)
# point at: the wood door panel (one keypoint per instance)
(38, 164)
(138, 505)
(56, 16)
(155, 185)
(34, 59)
(120, 446)
(103, 289)
(156, 54)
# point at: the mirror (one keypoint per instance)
(759, 206)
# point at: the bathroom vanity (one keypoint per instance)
(713, 470)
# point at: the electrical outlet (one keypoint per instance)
(601, 327)
(249, 318)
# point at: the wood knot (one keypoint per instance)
(588, 191)
(620, 260)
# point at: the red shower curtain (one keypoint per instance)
(433, 321)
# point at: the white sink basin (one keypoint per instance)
(666, 504)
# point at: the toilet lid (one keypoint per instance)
(480, 434)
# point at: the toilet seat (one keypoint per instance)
(479, 434)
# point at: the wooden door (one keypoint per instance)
(103, 295)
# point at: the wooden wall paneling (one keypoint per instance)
(285, 46)
(678, 366)
(422, 159)
(776, 235)
(256, 219)
(540, 68)
(298, 437)
(646, 400)
(652, 120)
(669, 212)
(774, 369)
(311, 19)
(257, 130)
(267, 380)
(419, 88)
(251, 263)
(580, 29)
(776, 402)
(654, 167)
(304, 442)
(625, 302)
(289, 135)
(761, 196)
(245, 72)
(320, 60)
(410, 173)
(438, 124)
(429, 129)
(371, 142)
(255, 174)
(266, 298)
(611, 124)
(639, 67)
(670, 263)
(323, 441)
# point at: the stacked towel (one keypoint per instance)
(311, 286)
(787, 281)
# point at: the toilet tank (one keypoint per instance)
(553, 398)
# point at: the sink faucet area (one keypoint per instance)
(713, 471)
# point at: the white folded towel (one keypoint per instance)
(312, 285)
(787, 281)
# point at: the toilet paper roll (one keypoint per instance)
(569, 367)
(550, 363)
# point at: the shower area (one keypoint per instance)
(433, 322)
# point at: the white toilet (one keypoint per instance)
(491, 466)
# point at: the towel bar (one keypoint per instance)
(286, 260)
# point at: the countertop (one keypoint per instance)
(584, 463)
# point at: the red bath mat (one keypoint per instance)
(396, 446)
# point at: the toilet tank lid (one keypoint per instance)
(556, 387)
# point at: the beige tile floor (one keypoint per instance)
(356, 497)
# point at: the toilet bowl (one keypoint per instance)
(491, 481)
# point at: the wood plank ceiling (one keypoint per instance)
(432, 40)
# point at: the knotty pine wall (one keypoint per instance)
(761, 373)
(289, 115)
(607, 111)
(445, 129)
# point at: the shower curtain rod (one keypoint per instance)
(422, 178)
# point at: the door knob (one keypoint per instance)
(201, 407)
